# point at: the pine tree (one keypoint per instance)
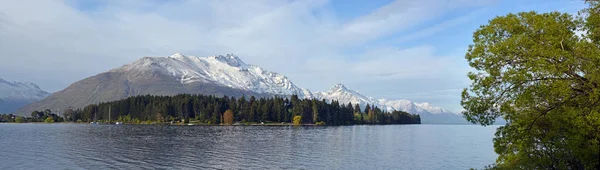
(371, 116)
(367, 109)
(357, 111)
(264, 111)
(253, 109)
(315, 111)
(216, 113)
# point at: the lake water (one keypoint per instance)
(82, 146)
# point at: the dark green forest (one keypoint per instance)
(211, 109)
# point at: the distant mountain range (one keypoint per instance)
(429, 113)
(214, 75)
(14, 95)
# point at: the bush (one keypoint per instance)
(49, 120)
(19, 120)
(320, 123)
(297, 120)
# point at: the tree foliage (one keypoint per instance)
(49, 120)
(297, 120)
(36, 116)
(228, 117)
(217, 110)
(19, 120)
(214, 110)
(538, 72)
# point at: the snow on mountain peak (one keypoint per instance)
(432, 109)
(227, 70)
(342, 94)
(338, 87)
(230, 59)
(13, 90)
(177, 55)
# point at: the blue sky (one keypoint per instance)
(395, 49)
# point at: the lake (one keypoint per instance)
(83, 146)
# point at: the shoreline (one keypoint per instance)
(195, 124)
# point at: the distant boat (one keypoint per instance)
(189, 124)
(118, 123)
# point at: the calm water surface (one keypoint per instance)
(81, 146)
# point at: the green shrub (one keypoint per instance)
(19, 120)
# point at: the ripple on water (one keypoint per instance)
(73, 146)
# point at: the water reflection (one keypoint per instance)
(73, 146)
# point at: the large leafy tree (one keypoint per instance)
(541, 73)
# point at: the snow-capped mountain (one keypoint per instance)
(15, 94)
(213, 75)
(401, 105)
(226, 70)
(432, 109)
(176, 74)
(342, 94)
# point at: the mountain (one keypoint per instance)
(224, 70)
(429, 113)
(344, 95)
(214, 75)
(14, 95)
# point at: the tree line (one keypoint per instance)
(36, 116)
(226, 110)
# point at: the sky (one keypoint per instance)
(402, 49)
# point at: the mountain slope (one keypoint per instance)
(429, 113)
(215, 75)
(344, 95)
(14, 95)
(225, 70)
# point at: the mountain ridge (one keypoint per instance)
(213, 75)
(344, 94)
(227, 70)
(15, 94)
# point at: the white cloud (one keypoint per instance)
(53, 44)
